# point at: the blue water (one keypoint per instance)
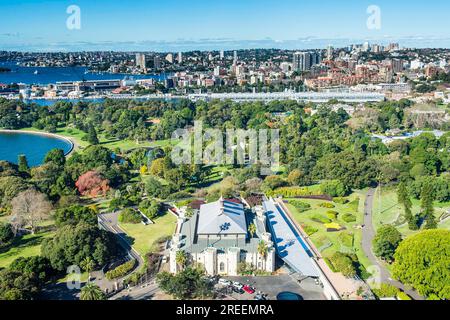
(48, 75)
(288, 296)
(34, 146)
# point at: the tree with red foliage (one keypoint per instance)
(92, 184)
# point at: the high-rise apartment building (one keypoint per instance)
(140, 61)
(303, 61)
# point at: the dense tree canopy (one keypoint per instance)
(422, 260)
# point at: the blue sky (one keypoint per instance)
(188, 24)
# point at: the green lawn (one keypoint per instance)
(347, 240)
(124, 145)
(144, 237)
(26, 246)
(387, 210)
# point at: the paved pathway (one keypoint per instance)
(368, 233)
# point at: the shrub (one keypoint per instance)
(326, 205)
(386, 290)
(403, 296)
(150, 208)
(320, 218)
(309, 229)
(340, 200)
(348, 217)
(331, 214)
(121, 270)
(343, 263)
(130, 216)
(300, 205)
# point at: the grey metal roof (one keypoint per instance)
(290, 245)
(222, 217)
(191, 243)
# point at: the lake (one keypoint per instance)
(46, 75)
(34, 146)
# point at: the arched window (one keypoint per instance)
(222, 267)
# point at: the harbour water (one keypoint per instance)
(46, 75)
(34, 146)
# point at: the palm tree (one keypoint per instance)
(88, 265)
(181, 259)
(252, 229)
(262, 249)
(92, 292)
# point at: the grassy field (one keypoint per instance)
(26, 246)
(144, 237)
(387, 210)
(124, 145)
(347, 240)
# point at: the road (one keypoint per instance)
(109, 222)
(368, 233)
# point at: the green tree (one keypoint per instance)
(92, 292)
(386, 241)
(405, 200)
(427, 197)
(88, 265)
(23, 164)
(262, 249)
(422, 261)
(56, 156)
(6, 234)
(252, 229)
(92, 135)
(72, 244)
(181, 259)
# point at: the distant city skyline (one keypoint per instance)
(150, 25)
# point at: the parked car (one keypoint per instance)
(248, 289)
(238, 285)
(224, 282)
(260, 297)
(238, 290)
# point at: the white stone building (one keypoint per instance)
(217, 238)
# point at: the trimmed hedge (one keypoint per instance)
(340, 200)
(300, 205)
(291, 192)
(320, 218)
(309, 229)
(121, 270)
(327, 205)
(348, 217)
(331, 214)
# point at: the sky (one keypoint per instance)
(163, 25)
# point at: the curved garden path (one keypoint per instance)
(368, 233)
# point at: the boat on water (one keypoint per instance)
(36, 72)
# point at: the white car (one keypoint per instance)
(238, 285)
(224, 282)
